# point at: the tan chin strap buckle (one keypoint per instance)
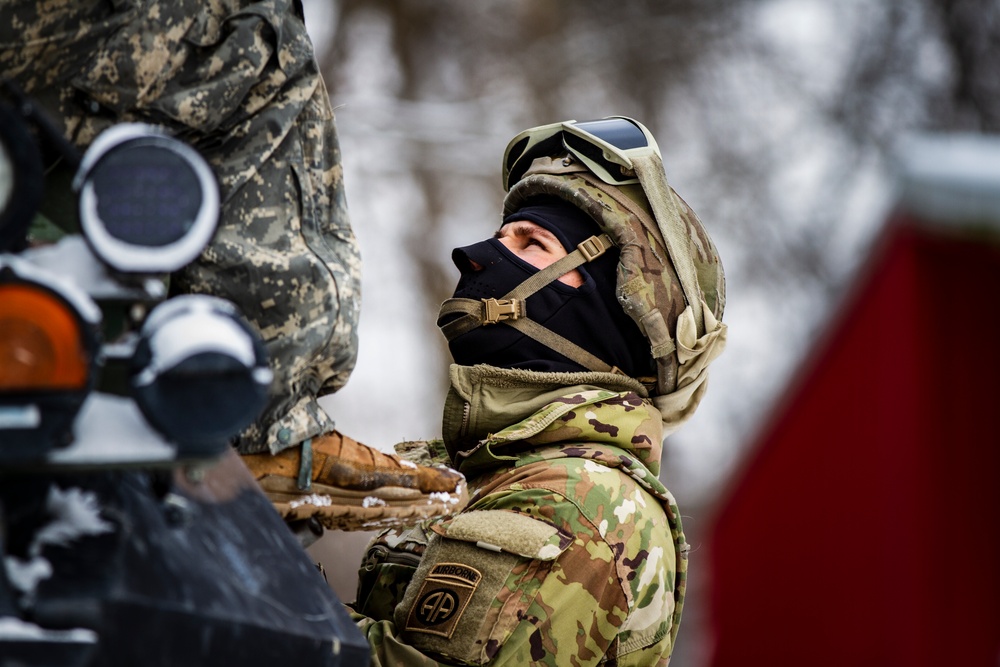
(495, 310)
(594, 247)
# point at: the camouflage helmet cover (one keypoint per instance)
(648, 286)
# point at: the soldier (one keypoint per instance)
(582, 333)
(238, 80)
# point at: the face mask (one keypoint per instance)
(556, 306)
(588, 315)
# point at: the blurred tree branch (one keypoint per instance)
(777, 152)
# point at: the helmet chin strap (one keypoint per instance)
(511, 309)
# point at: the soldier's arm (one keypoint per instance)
(521, 580)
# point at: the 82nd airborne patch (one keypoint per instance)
(442, 598)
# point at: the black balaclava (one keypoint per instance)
(589, 315)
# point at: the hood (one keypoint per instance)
(493, 414)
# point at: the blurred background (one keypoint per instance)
(778, 121)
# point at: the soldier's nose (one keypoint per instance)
(465, 263)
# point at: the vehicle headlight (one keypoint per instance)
(199, 373)
(49, 341)
(21, 178)
(148, 203)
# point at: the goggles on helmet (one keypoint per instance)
(605, 146)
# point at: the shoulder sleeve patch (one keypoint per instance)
(443, 598)
(479, 575)
(505, 531)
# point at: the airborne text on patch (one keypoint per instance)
(465, 572)
(443, 597)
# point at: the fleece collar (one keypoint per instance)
(493, 415)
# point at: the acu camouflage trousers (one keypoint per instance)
(239, 81)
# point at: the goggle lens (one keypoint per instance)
(621, 133)
(603, 145)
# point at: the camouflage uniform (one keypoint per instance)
(571, 551)
(238, 80)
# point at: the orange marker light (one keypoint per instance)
(41, 346)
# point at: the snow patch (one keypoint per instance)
(312, 499)
(452, 499)
(75, 513)
(15, 628)
(25, 575)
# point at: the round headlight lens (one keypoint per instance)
(147, 194)
(199, 373)
(148, 202)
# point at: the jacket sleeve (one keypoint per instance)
(521, 580)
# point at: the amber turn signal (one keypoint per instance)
(41, 345)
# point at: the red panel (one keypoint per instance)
(865, 529)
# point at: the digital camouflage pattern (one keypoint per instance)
(238, 80)
(571, 551)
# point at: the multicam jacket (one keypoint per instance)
(571, 551)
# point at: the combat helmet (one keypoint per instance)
(670, 280)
